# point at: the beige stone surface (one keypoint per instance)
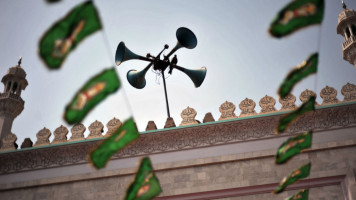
(43, 137)
(328, 94)
(267, 104)
(77, 132)
(188, 117)
(96, 130)
(227, 110)
(247, 107)
(60, 135)
(349, 92)
(288, 102)
(113, 125)
(306, 94)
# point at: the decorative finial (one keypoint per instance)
(19, 63)
(343, 4)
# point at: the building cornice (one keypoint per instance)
(180, 138)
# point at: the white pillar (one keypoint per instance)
(351, 34)
(346, 38)
(6, 85)
(18, 90)
(12, 83)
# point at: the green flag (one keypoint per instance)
(286, 120)
(305, 69)
(296, 15)
(301, 195)
(92, 93)
(66, 33)
(146, 185)
(300, 173)
(118, 140)
(293, 146)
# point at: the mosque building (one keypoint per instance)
(226, 157)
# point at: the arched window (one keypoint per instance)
(347, 32)
(14, 87)
(353, 29)
(8, 86)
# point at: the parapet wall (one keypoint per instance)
(227, 110)
(226, 131)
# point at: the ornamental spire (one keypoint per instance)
(19, 62)
(344, 5)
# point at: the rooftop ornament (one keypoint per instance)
(344, 5)
(186, 38)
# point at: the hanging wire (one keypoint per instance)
(106, 41)
(107, 46)
(109, 53)
(315, 90)
(158, 75)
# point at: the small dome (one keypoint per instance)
(16, 72)
(347, 15)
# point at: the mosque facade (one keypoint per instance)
(226, 157)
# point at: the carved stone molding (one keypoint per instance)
(288, 102)
(306, 94)
(227, 111)
(96, 130)
(60, 135)
(112, 126)
(43, 137)
(349, 92)
(267, 104)
(8, 142)
(77, 132)
(247, 107)
(188, 116)
(328, 94)
(204, 135)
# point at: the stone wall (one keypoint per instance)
(216, 174)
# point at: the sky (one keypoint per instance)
(241, 58)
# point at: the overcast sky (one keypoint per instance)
(241, 58)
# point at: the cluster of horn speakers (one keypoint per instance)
(186, 39)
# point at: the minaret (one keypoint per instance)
(347, 28)
(11, 103)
